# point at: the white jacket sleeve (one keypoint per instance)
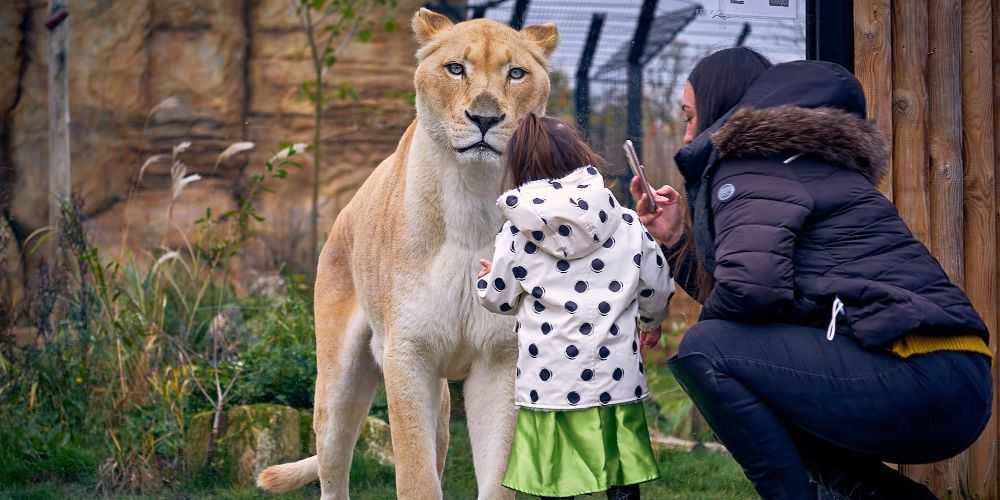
(656, 285)
(499, 291)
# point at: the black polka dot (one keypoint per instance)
(610, 243)
(628, 218)
(533, 395)
(533, 350)
(505, 307)
(511, 201)
(519, 272)
(582, 186)
(573, 398)
(637, 260)
(614, 330)
(530, 247)
(591, 170)
(604, 352)
(580, 287)
(635, 347)
(545, 374)
(583, 204)
(482, 284)
(546, 328)
(615, 286)
(538, 306)
(596, 239)
(604, 308)
(605, 398)
(618, 374)
(555, 185)
(562, 265)
(499, 284)
(518, 373)
(565, 230)
(642, 368)
(597, 265)
(571, 307)
(538, 235)
(586, 328)
(538, 201)
(587, 375)
(646, 293)
(512, 250)
(638, 391)
(648, 236)
(611, 201)
(659, 261)
(572, 351)
(514, 230)
(537, 292)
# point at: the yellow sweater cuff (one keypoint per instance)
(913, 344)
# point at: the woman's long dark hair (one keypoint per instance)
(719, 81)
(546, 148)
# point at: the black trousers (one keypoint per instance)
(779, 396)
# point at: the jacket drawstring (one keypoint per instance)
(831, 329)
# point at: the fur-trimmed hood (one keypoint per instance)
(831, 134)
(809, 107)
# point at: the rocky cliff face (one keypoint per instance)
(235, 67)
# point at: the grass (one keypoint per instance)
(685, 476)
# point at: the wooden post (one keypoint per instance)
(873, 35)
(980, 478)
(59, 172)
(944, 91)
(996, 179)
(909, 117)
(945, 133)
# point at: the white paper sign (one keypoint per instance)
(773, 9)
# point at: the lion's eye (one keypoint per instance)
(516, 73)
(455, 69)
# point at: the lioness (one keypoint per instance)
(394, 288)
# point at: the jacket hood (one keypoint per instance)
(800, 107)
(569, 217)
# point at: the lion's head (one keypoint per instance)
(475, 80)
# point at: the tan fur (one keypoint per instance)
(423, 219)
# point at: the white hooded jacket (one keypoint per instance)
(577, 269)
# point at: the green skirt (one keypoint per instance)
(567, 453)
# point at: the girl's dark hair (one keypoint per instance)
(720, 79)
(546, 148)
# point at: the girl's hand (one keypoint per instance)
(487, 266)
(649, 338)
(666, 224)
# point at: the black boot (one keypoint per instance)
(630, 492)
(867, 480)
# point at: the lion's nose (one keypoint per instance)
(485, 122)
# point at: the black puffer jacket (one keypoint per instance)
(788, 220)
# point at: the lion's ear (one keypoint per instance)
(545, 35)
(427, 23)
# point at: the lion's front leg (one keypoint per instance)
(413, 391)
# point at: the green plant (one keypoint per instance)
(330, 25)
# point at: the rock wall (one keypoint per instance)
(235, 68)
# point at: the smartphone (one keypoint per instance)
(638, 171)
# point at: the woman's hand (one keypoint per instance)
(666, 224)
(487, 266)
(649, 338)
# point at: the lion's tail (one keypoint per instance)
(291, 476)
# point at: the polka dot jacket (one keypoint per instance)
(577, 269)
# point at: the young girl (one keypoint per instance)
(576, 268)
